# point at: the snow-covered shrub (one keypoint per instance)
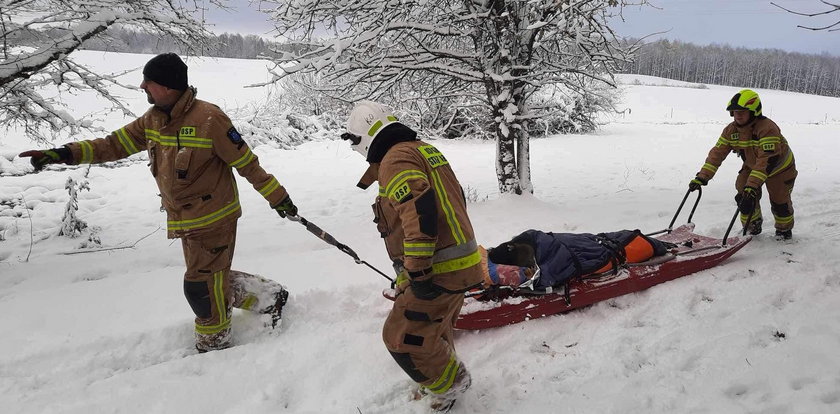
(71, 225)
(295, 112)
(568, 111)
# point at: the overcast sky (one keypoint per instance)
(747, 23)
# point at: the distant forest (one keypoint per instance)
(752, 68)
(227, 45)
(714, 64)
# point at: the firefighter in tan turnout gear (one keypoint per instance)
(192, 149)
(768, 161)
(421, 213)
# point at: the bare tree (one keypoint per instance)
(833, 7)
(39, 37)
(496, 54)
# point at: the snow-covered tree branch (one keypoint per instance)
(450, 57)
(831, 7)
(39, 37)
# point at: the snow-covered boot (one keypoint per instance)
(755, 226)
(444, 401)
(213, 342)
(276, 310)
(784, 234)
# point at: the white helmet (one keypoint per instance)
(366, 120)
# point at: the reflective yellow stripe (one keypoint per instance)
(272, 185)
(447, 378)
(244, 160)
(212, 329)
(87, 152)
(126, 141)
(709, 167)
(747, 144)
(457, 264)
(375, 127)
(419, 248)
(206, 220)
(758, 174)
(170, 141)
(769, 143)
(219, 295)
(788, 161)
(721, 142)
(756, 215)
(221, 308)
(194, 142)
(402, 279)
(783, 220)
(448, 211)
(249, 302)
(401, 178)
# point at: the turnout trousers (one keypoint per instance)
(779, 188)
(419, 335)
(213, 289)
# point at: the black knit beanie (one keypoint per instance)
(518, 252)
(167, 69)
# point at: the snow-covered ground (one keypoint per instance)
(110, 332)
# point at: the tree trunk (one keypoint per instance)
(523, 160)
(506, 170)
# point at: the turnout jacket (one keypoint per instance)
(192, 150)
(421, 213)
(759, 143)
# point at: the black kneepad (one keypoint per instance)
(198, 297)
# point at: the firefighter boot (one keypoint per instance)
(755, 227)
(213, 342)
(783, 235)
(444, 401)
(276, 310)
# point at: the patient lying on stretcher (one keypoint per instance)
(560, 257)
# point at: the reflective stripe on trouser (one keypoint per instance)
(212, 288)
(779, 187)
(419, 335)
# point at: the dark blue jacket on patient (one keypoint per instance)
(562, 256)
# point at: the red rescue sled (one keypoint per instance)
(693, 254)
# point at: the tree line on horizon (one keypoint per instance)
(741, 67)
(225, 45)
(712, 64)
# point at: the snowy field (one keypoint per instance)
(110, 332)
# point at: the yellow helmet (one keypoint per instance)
(746, 100)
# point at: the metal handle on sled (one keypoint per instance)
(679, 209)
(732, 222)
(329, 239)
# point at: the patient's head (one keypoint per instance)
(518, 252)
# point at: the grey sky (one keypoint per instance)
(754, 24)
(738, 23)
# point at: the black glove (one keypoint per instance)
(51, 156)
(696, 183)
(423, 289)
(746, 200)
(286, 207)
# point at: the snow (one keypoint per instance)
(111, 331)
